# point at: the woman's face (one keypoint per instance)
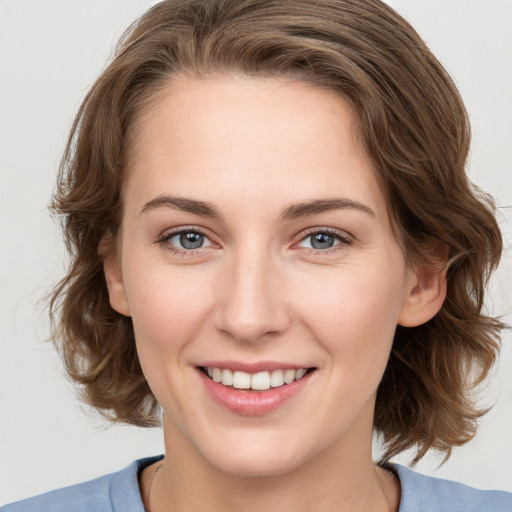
(256, 242)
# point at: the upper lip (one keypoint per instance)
(252, 367)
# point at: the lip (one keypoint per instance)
(255, 367)
(252, 403)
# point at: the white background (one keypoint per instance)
(50, 53)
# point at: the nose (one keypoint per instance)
(253, 306)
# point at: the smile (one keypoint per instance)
(254, 389)
(260, 381)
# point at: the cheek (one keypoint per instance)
(168, 306)
(169, 309)
(353, 313)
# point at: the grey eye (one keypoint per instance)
(191, 240)
(322, 241)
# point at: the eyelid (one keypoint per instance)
(170, 233)
(343, 237)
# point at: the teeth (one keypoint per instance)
(289, 376)
(300, 373)
(227, 377)
(217, 375)
(260, 381)
(277, 378)
(241, 380)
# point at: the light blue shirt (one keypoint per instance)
(119, 492)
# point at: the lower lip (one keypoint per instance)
(253, 403)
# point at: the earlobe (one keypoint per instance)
(113, 276)
(425, 297)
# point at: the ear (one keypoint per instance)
(426, 289)
(113, 275)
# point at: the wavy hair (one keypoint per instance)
(415, 129)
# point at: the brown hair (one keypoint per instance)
(415, 129)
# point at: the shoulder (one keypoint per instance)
(115, 492)
(428, 494)
(93, 495)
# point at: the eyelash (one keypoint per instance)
(341, 238)
(164, 241)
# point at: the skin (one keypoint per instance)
(257, 290)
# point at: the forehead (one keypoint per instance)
(272, 138)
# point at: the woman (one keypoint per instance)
(275, 242)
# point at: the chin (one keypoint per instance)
(250, 467)
(262, 458)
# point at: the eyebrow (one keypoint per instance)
(293, 211)
(184, 204)
(314, 207)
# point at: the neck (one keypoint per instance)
(339, 479)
